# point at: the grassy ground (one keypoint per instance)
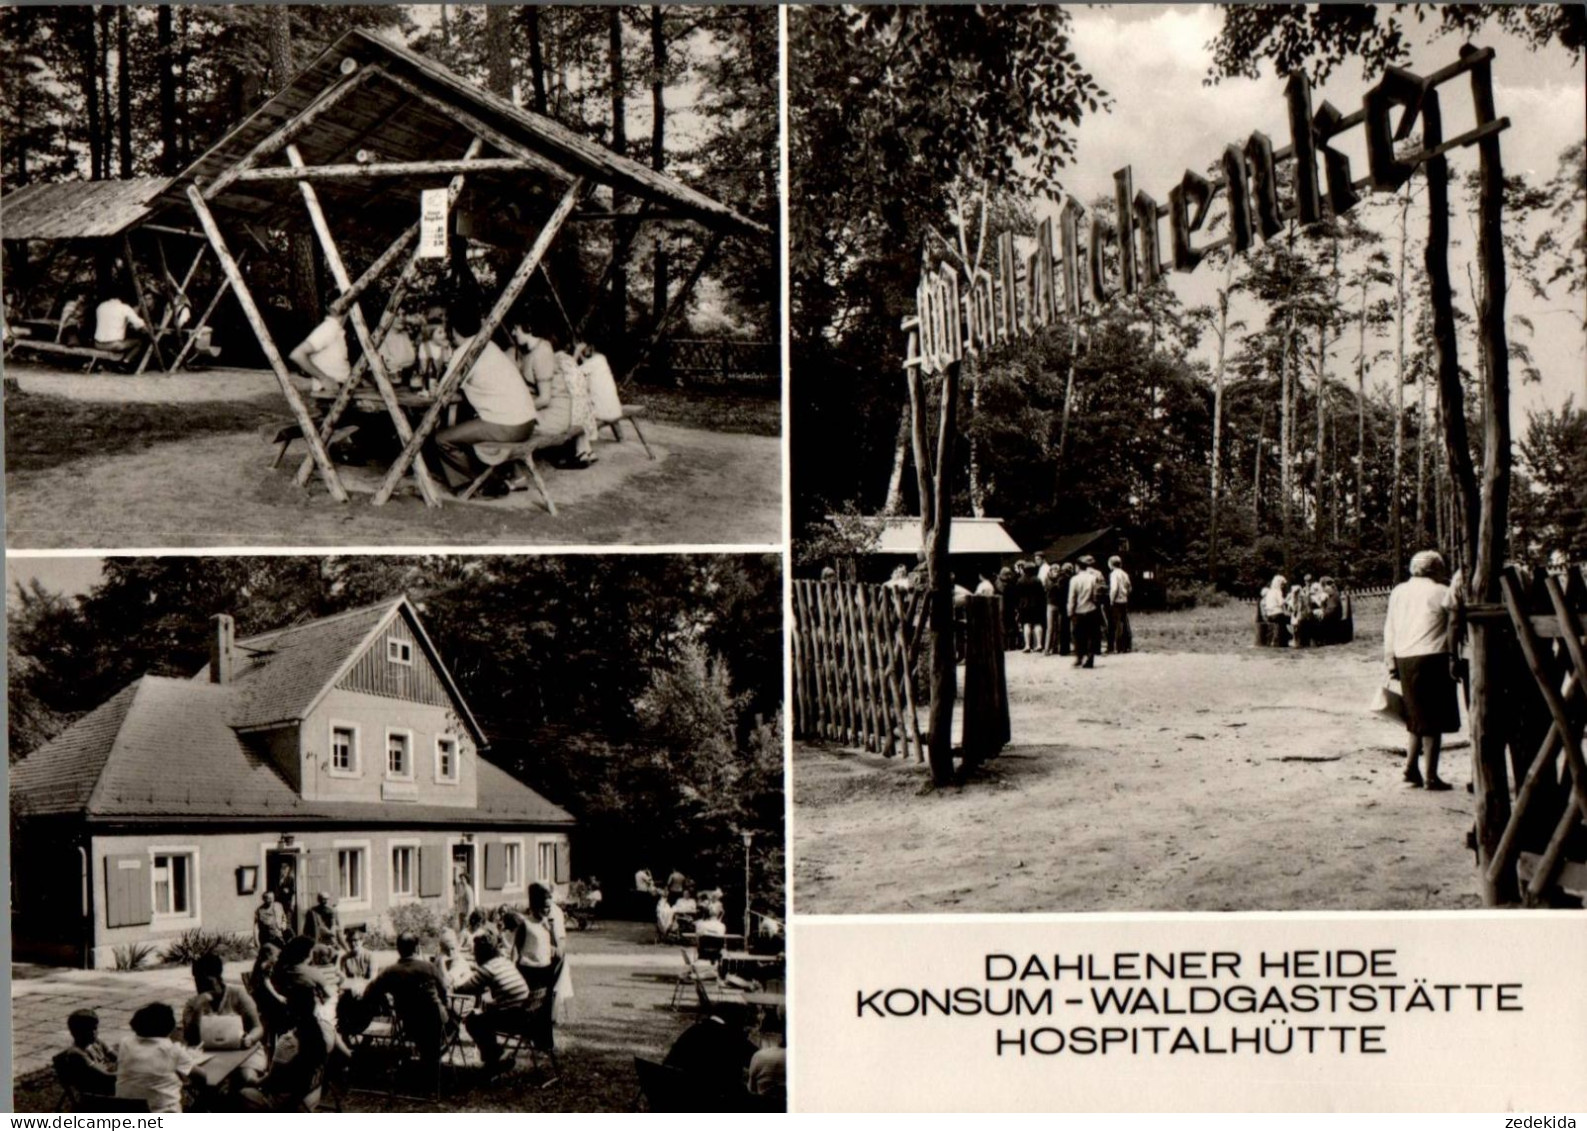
(1232, 628)
(751, 413)
(44, 431)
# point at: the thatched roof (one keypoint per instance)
(391, 123)
(78, 210)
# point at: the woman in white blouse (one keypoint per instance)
(1419, 649)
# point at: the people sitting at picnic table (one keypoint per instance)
(296, 972)
(714, 1053)
(666, 920)
(302, 1055)
(451, 960)
(504, 406)
(604, 399)
(710, 923)
(1275, 609)
(324, 927)
(270, 921)
(536, 356)
(115, 321)
(509, 995)
(151, 1065)
(216, 999)
(432, 343)
(322, 356)
(418, 991)
(398, 354)
(87, 1065)
(562, 403)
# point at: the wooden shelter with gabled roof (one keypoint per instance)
(357, 135)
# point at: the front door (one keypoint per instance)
(282, 878)
(465, 882)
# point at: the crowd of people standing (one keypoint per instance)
(1063, 608)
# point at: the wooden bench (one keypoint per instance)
(290, 432)
(91, 354)
(631, 413)
(499, 456)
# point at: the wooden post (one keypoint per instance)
(675, 304)
(192, 336)
(143, 302)
(388, 319)
(293, 126)
(983, 644)
(463, 361)
(355, 314)
(170, 311)
(944, 673)
(355, 172)
(373, 272)
(250, 310)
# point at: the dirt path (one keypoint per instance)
(1251, 780)
(702, 487)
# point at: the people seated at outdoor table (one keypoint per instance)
(1275, 609)
(536, 356)
(418, 992)
(1301, 620)
(87, 1065)
(504, 406)
(356, 962)
(322, 356)
(270, 921)
(710, 923)
(296, 973)
(565, 406)
(715, 1054)
(302, 1055)
(115, 321)
(509, 994)
(322, 924)
(433, 344)
(453, 963)
(666, 920)
(397, 352)
(151, 1065)
(216, 999)
(267, 1000)
(604, 398)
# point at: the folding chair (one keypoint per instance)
(535, 1030)
(691, 982)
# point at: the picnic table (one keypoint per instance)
(217, 1067)
(752, 967)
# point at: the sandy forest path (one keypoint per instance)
(1247, 779)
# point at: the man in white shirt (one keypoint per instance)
(504, 406)
(1119, 638)
(323, 355)
(1087, 592)
(1043, 568)
(114, 319)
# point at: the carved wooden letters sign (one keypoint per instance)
(1033, 291)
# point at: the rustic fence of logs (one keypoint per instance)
(858, 669)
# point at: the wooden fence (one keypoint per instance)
(854, 652)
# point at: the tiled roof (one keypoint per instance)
(279, 674)
(165, 749)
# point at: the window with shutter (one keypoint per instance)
(127, 895)
(432, 870)
(495, 878)
(564, 862)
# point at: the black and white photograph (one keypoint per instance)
(1188, 444)
(391, 275)
(397, 834)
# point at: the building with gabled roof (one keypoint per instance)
(335, 755)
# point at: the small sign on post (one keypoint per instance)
(432, 223)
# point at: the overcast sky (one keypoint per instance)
(1153, 59)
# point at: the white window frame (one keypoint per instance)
(395, 647)
(407, 733)
(194, 914)
(457, 760)
(401, 897)
(367, 900)
(549, 878)
(523, 864)
(358, 753)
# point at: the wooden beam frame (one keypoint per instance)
(355, 172)
(143, 301)
(463, 360)
(209, 310)
(481, 130)
(171, 308)
(250, 309)
(355, 314)
(293, 126)
(388, 317)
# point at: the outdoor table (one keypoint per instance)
(367, 399)
(742, 964)
(216, 1067)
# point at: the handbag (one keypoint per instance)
(1388, 702)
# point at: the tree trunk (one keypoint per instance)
(944, 673)
(658, 156)
(1069, 388)
(1361, 414)
(1256, 473)
(184, 139)
(88, 61)
(977, 488)
(537, 59)
(170, 159)
(1421, 455)
(124, 88)
(1396, 531)
(895, 481)
(107, 115)
(1286, 440)
(498, 50)
(305, 284)
(1216, 483)
(617, 300)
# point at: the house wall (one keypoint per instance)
(218, 905)
(372, 716)
(48, 891)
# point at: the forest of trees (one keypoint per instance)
(118, 91)
(1289, 423)
(643, 693)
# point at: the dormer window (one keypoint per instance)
(399, 754)
(399, 652)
